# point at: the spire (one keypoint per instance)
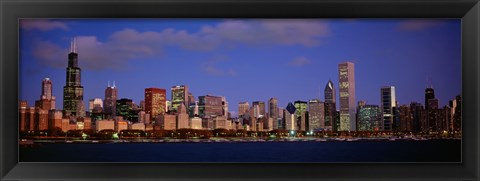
(74, 45)
(114, 84)
(108, 84)
(429, 82)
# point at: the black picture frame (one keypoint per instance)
(11, 11)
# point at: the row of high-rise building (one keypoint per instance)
(352, 116)
(211, 112)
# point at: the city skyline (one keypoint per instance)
(220, 68)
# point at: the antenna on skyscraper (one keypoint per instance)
(108, 83)
(429, 83)
(74, 45)
(113, 83)
(71, 45)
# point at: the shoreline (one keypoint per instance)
(223, 140)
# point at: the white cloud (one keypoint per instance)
(42, 25)
(211, 66)
(129, 44)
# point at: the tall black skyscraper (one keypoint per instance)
(429, 94)
(431, 109)
(330, 92)
(73, 90)
(330, 106)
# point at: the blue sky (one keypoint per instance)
(244, 59)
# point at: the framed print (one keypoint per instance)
(240, 90)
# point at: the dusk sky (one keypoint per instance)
(244, 59)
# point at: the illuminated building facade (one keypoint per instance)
(431, 110)
(179, 96)
(73, 90)
(388, 100)
(243, 108)
(125, 109)
(41, 119)
(456, 106)
(301, 114)
(290, 118)
(368, 118)
(110, 102)
(316, 115)
(196, 123)
(54, 119)
(95, 105)
(47, 101)
(167, 121)
(210, 106)
(155, 101)
(261, 108)
(182, 117)
(104, 125)
(273, 112)
(346, 84)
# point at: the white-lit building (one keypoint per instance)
(346, 77)
(220, 122)
(121, 125)
(104, 125)
(196, 123)
(182, 117)
(137, 126)
(95, 104)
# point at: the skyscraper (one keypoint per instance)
(210, 106)
(388, 105)
(95, 105)
(243, 108)
(182, 117)
(273, 111)
(261, 105)
(406, 123)
(47, 101)
(179, 96)
(429, 94)
(225, 106)
(46, 89)
(316, 115)
(457, 115)
(346, 78)
(125, 109)
(191, 99)
(431, 109)
(110, 101)
(368, 117)
(301, 114)
(155, 102)
(330, 105)
(330, 95)
(73, 90)
(290, 118)
(418, 117)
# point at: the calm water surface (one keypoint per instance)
(331, 151)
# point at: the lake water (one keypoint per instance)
(330, 151)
